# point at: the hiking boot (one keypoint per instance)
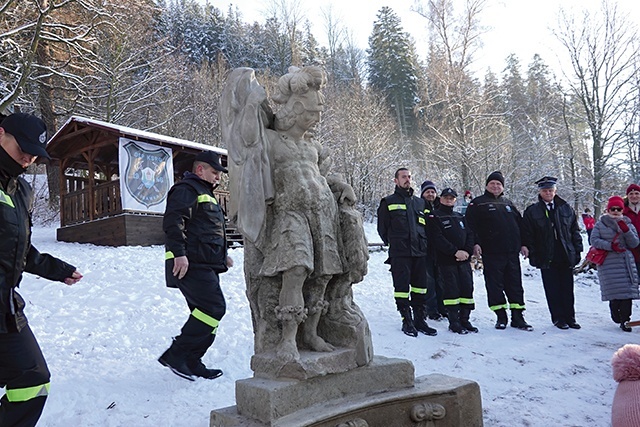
(435, 316)
(502, 321)
(517, 321)
(407, 322)
(177, 365)
(421, 324)
(624, 327)
(573, 324)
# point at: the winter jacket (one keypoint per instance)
(618, 275)
(447, 232)
(194, 225)
(589, 221)
(635, 220)
(495, 222)
(402, 225)
(17, 255)
(540, 227)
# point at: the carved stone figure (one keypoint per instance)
(304, 242)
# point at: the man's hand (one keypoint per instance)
(180, 266)
(229, 262)
(477, 251)
(462, 255)
(524, 251)
(75, 278)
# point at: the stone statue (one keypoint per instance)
(304, 241)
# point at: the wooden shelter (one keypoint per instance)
(91, 200)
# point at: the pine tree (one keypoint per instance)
(393, 67)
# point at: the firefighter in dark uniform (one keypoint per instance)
(23, 370)
(402, 226)
(196, 253)
(551, 235)
(495, 222)
(453, 242)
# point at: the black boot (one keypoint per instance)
(517, 320)
(464, 320)
(407, 322)
(454, 320)
(420, 323)
(502, 321)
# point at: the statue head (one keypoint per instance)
(299, 92)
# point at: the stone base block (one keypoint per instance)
(311, 364)
(382, 394)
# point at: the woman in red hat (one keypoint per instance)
(618, 275)
(632, 211)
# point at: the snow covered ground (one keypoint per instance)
(102, 336)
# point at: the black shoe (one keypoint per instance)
(425, 329)
(517, 321)
(407, 322)
(202, 371)
(178, 367)
(502, 321)
(457, 328)
(624, 327)
(421, 325)
(561, 325)
(501, 324)
(574, 325)
(435, 316)
(470, 328)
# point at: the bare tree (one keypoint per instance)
(600, 47)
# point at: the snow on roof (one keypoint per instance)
(127, 131)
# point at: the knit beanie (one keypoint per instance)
(625, 410)
(633, 187)
(615, 201)
(495, 176)
(426, 185)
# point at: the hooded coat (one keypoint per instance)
(618, 275)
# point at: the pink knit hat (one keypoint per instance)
(625, 411)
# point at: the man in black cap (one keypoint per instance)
(496, 223)
(402, 226)
(551, 236)
(435, 306)
(453, 242)
(196, 253)
(23, 370)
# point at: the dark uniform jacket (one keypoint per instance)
(402, 225)
(540, 227)
(194, 225)
(495, 222)
(448, 233)
(16, 253)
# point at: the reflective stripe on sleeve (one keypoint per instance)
(205, 198)
(397, 207)
(6, 199)
(169, 255)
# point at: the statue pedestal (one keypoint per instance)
(384, 393)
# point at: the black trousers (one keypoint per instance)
(201, 288)
(25, 376)
(620, 310)
(409, 281)
(502, 277)
(558, 288)
(434, 298)
(457, 286)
